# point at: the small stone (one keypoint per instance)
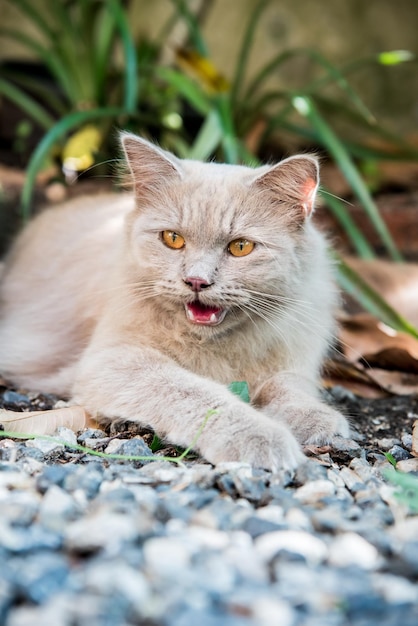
(314, 491)
(129, 447)
(255, 526)
(101, 530)
(407, 441)
(120, 579)
(56, 509)
(409, 465)
(115, 445)
(386, 443)
(298, 542)
(310, 471)
(351, 479)
(19, 508)
(67, 435)
(12, 397)
(46, 446)
(346, 446)
(351, 549)
(168, 556)
(91, 433)
(395, 589)
(26, 540)
(40, 576)
(363, 469)
(271, 611)
(399, 453)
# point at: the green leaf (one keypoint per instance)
(408, 488)
(355, 285)
(342, 213)
(129, 51)
(245, 48)
(329, 139)
(390, 458)
(26, 104)
(187, 88)
(193, 26)
(240, 389)
(208, 138)
(156, 444)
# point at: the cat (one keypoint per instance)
(147, 305)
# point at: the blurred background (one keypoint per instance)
(236, 81)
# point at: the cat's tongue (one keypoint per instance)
(198, 313)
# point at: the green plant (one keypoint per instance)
(407, 491)
(88, 92)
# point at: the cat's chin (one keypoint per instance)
(203, 315)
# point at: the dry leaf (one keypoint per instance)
(397, 283)
(353, 377)
(46, 422)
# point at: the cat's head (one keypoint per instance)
(219, 245)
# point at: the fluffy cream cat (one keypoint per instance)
(147, 307)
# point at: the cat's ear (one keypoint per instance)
(150, 166)
(293, 181)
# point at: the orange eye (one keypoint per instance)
(241, 247)
(173, 240)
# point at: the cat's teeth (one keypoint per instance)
(213, 318)
(190, 315)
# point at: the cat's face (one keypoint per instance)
(218, 245)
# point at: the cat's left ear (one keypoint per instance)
(293, 181)
(151, 167)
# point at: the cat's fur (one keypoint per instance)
(93, 306)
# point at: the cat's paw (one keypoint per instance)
(262, 443)
(316, 424)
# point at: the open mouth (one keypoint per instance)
(199, 313)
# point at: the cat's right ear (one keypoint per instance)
(150, 166)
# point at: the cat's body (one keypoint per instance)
(148, 312)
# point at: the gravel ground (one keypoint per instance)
(88, 541)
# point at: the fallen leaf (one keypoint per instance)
(46, 422)
(414, 449)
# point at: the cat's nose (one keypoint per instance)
(196, 283)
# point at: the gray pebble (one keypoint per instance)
(399, 453)
(13, 397)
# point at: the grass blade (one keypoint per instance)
(208, 138)
(26, 104)
(245, 49)
(187, 88)
(35, 16)
(48, 57)
(129, 50)
(193, 27)
(342, 214)
(356, 286)
(329, 139)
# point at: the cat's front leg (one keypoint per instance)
(141, 384)
(294, 400)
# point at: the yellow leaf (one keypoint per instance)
(202, 69)
(78, 152)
